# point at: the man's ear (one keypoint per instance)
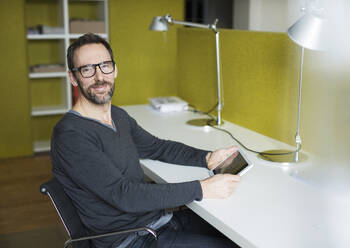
(72, 79)
(115, 71)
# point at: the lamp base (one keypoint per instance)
(202, 122)
(199, 122)
(283, 159)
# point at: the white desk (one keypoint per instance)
(270, 208)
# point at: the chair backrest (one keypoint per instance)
(66, 210)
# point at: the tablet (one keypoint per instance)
(238, 165)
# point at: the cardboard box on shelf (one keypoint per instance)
(86, 26)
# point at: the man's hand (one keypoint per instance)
(219, 186)
(213, 158)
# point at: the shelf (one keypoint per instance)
(47, 74)
(41, 146)
(49, 110)
(76, 36)
(45, 36)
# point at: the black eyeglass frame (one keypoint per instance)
(94, 66)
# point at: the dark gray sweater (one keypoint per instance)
(100, 171)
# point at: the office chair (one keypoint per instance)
(78, 235)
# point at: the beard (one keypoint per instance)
(95, 98)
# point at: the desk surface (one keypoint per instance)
(271, 207)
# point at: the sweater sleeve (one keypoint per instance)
(168, 151)
(77, 156)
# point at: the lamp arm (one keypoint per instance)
(170, 20)
(218, 74)
(297, 135)
(191, 24)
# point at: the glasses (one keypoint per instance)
(88, 71)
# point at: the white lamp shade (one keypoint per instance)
(309, 32)
(159, 24)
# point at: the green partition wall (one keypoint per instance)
(15, 133)
(146, 60)
(260, 73)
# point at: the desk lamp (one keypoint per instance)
(160, 23)
(307, 32)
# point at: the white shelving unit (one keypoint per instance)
(66, 39)
(45, 36)
(49, 110)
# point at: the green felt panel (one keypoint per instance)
(259, 72)
(146, 60)
(15, 134)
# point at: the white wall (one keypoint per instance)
(266, 15)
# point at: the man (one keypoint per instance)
(95, 152)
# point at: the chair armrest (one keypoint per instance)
(151, 231)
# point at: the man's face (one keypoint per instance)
(99, 88)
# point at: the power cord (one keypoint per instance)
(210, 121)
(195, 110)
